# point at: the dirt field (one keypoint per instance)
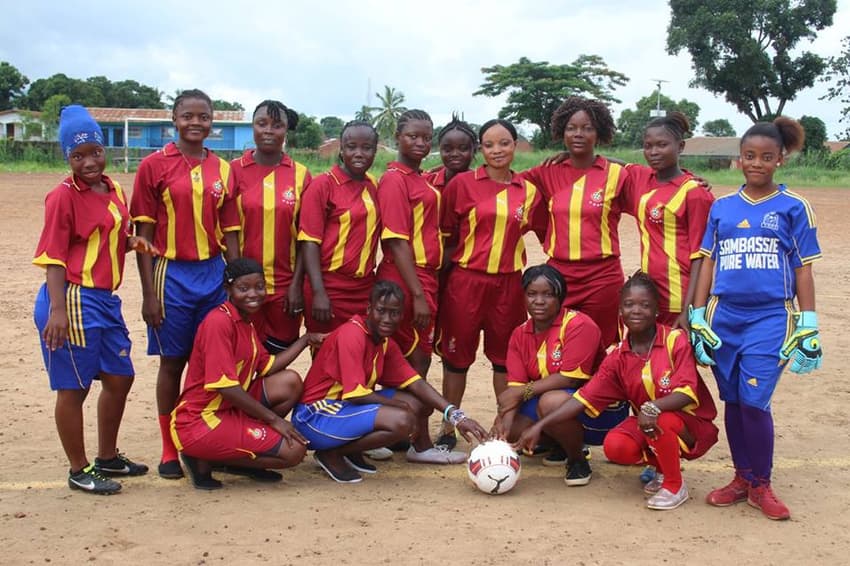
(406, 514)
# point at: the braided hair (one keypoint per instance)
(598, 112)
(640, 279)
(277, 110)
(551, 275)
(410, 115)
(240, 267)
(675, 122)
(461, 126)
(786, 132)
(191, 93)
(359, 124)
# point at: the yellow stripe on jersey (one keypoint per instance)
(74, 310)
(407, 383)
(418, 241)
(114, 234)
(576, 200)
(646, 378)
(208, 412)
(519, 252)
(810, 213)
(371, 227)
(171, 229)
(92, 250)
(469, 241)
(608, 198)
(588, 408)
(224, 175)
(241, 213)
(542, 355)
(644, 233)
(499, 228)
(674, 270)
(222, 383)
(198, 212)
(269, 230)
(342, 239)
(300, 175)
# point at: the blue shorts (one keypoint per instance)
(329, 424)
(187, 291)
(595, 428)
(98, 341)
(747, 364)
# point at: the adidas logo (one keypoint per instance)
(753, 381)
(744, 223)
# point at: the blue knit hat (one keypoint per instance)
(77, 127)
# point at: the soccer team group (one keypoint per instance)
(234, 258)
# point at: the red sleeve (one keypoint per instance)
(146, 195)
(634, 184)
(216, 336)
(397, 371)
(697, 202)
(394, 206)
(517, 372)
(535, 175)
(450, 220)
(350, 346)
(684, 377)
(313, 206)
(581, 345)
(605, 387)
(228, 216)
(58, 229)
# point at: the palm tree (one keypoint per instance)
(388, 112)
(364, 114)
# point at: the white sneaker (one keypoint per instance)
(378, 453)
(665, 500)
(654, 485)
(436, 455)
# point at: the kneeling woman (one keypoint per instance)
(550, 356)
(342, 415)
(654, 370)
(232, 408)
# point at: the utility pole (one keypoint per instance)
(657, 113)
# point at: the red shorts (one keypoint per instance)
(704, 433)
(594, 289)
(237, 435)
(272, 321)
(472, 302)
(349, 296)
(407, 336)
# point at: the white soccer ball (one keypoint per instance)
(493, 467)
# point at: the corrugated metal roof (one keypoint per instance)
(117, 115)
(706, 146)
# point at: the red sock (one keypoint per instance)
(169, 451)
(666, 448)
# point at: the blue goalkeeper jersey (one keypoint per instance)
(757, 244)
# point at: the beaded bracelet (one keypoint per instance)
(650, 409)
(528, 392)
(446, 412)
(456, 417)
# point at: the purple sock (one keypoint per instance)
(758, 433)
(737, 439)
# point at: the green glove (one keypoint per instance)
(702, 337)
(803, 346)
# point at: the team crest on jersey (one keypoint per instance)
(518, 213)
(556, 354)
(452, 346)
(656, 213)
(217, 188)
(770, 221)
(289, 196)
(664, 382)
(257, 433)
(596, 199)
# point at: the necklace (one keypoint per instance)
(644, 357)
(196, 170)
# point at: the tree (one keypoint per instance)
(50, 111)
(815, 135)
(77, 91)
(536, 88)
(388, 112)
(631, 123)
(839, 74)
(742, 48)
(308, 135)
(331, 126)
(718, 128)
(364, 114)
(225, 105)
(12, 84)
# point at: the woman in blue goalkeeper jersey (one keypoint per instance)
(759, 246)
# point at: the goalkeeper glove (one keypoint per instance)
(702, 337)
(802, 348)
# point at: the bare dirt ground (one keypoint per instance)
(406, 514)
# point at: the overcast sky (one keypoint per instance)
(320, 57)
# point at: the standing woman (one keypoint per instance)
(457, 143)
(759, 248)
(485, 214)
(83, 335)
(584, 208)
(268, 185)
(412, 244)
(671, 208)
(182, 201)
(339, 231)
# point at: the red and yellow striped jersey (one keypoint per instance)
(584, 209)
(410, 210)
(191, 202)
(226, 353)
(341, 215)
(86, 233)
(571, 346)
(488, 219)
(268, 200)
(437, 179)
(350, 364)
(671, 219)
